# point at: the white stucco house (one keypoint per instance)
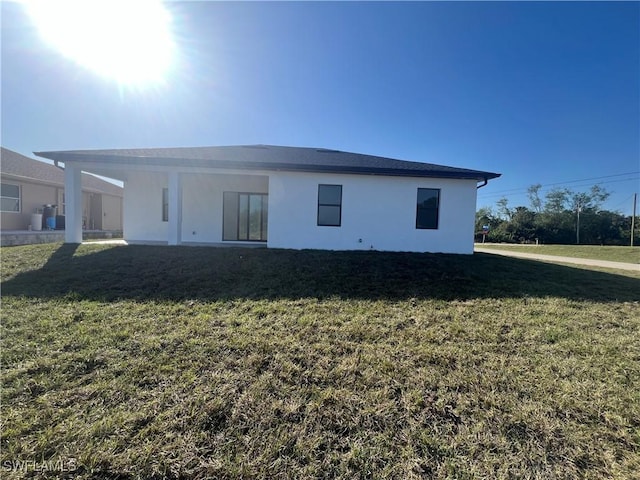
(281, 197)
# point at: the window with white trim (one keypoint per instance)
(10, 198)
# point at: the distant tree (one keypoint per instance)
(503, 208)
(485, 216)
(626, 231)
(555, 220)
(499, 234)
(605, 228)
(556, 200)
(533, 192)
(585, 205)
(522, 225)
(598, 196)
(555, 227)
(591, 200)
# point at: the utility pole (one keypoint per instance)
(633, 217)
(579, 207)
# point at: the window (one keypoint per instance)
(245, 216)
(165, 204)
(10, 198)
(428, 206)
(329, 205)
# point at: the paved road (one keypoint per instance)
(112, 241)
(557, 259)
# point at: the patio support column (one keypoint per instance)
(73, 203)
(175, 208)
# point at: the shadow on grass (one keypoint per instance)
(173, 273)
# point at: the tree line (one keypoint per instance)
(562, 216)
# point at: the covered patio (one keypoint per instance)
(180, 206)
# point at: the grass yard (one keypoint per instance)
(131, 362)
(596, 252)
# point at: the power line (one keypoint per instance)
(563, 183)
(523, 192)
(623, 201)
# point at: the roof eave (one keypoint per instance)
(272, 166)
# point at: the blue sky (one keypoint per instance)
(542, 92)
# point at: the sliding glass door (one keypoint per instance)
(245, 217)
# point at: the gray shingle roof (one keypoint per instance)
(17, 165)
(269, 157)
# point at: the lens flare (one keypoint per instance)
(128, 41)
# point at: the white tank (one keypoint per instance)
(36, 221)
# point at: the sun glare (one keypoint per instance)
(130, 41)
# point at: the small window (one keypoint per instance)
(428, 207)
(10, 198)
(329, 205)
(165, 204)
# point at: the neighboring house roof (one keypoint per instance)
(269, 157)
(16, 165)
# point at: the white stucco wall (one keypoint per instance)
(111, 212)
(142, 207)
(379, 210)
(201, 204)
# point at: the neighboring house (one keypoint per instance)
(28, 184)
(282, 197)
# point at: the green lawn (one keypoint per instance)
(596, 252)
(185, 362)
